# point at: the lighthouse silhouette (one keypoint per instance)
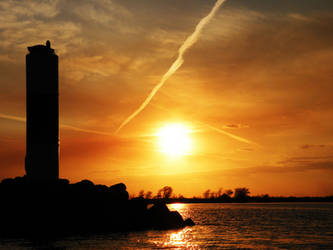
(42, 111)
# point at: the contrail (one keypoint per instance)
(90, 131)
(12, 117)
(190, 40)
(62, 126)
(238, 138)
(218, 130)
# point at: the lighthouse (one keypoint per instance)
(42, 113)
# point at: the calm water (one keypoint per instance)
(273, 226)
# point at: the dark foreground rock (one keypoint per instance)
(83, 207)
(159, 217)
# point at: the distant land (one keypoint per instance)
(239, 195)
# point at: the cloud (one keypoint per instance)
(12, 117)
(264, 63)
(62, 126)
(101, 12)
(29, 8)
(23, 23)
(308, 146)
(300, 17)
(290, 165)
(305, 160)
(246, 149)
(235, 126)
(188, 43)
(68, 24)
(236, 137)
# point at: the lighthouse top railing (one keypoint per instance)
(41, 49)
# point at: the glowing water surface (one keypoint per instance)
(228, 226)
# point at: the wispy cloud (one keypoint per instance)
(300, 17)
(29, 8)
(216, 129)
(188, 43)
(233, 136)
(23, 23)
(308, 146)
(235, 126)
(12, 117)
(62, 126)
(90, 131)
(291, 165)
(101, 12)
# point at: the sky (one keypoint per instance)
(255, 92)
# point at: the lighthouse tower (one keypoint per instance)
(42, 111)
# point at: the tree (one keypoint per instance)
(180, 196)
(212, 195)
(164, 192)
(241, 193)
(131, 196)
(149, 194)
(141, 193)
(206, 194)
(228, 192)
(219, 192)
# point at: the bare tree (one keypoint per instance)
(164, 192)
(219, 192)
(131, 196)
(206, 194)
(149, 194)
(159, 194)
(141, 193)
(180, 196)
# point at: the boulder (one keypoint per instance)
(118, 192)
(175, 220)
(189, 222)
(160, 217)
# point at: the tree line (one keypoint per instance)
(240, 194)
(167, 192)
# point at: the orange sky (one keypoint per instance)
(261, 70)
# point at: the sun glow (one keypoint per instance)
(173, 140)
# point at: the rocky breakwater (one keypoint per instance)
(83, 207)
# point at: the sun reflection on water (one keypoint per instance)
(176, 206)
(179, 239)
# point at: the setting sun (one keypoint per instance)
(173, 140)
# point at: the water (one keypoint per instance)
(223, 226)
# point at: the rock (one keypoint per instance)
(81, 207)
(159, 209)
(136, 213)
(85, 184)
(160, 217)
(118, 192)
(189, 222)
(175, 220)
(63, 182)
(118, 187)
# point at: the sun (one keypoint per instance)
(174, 140)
